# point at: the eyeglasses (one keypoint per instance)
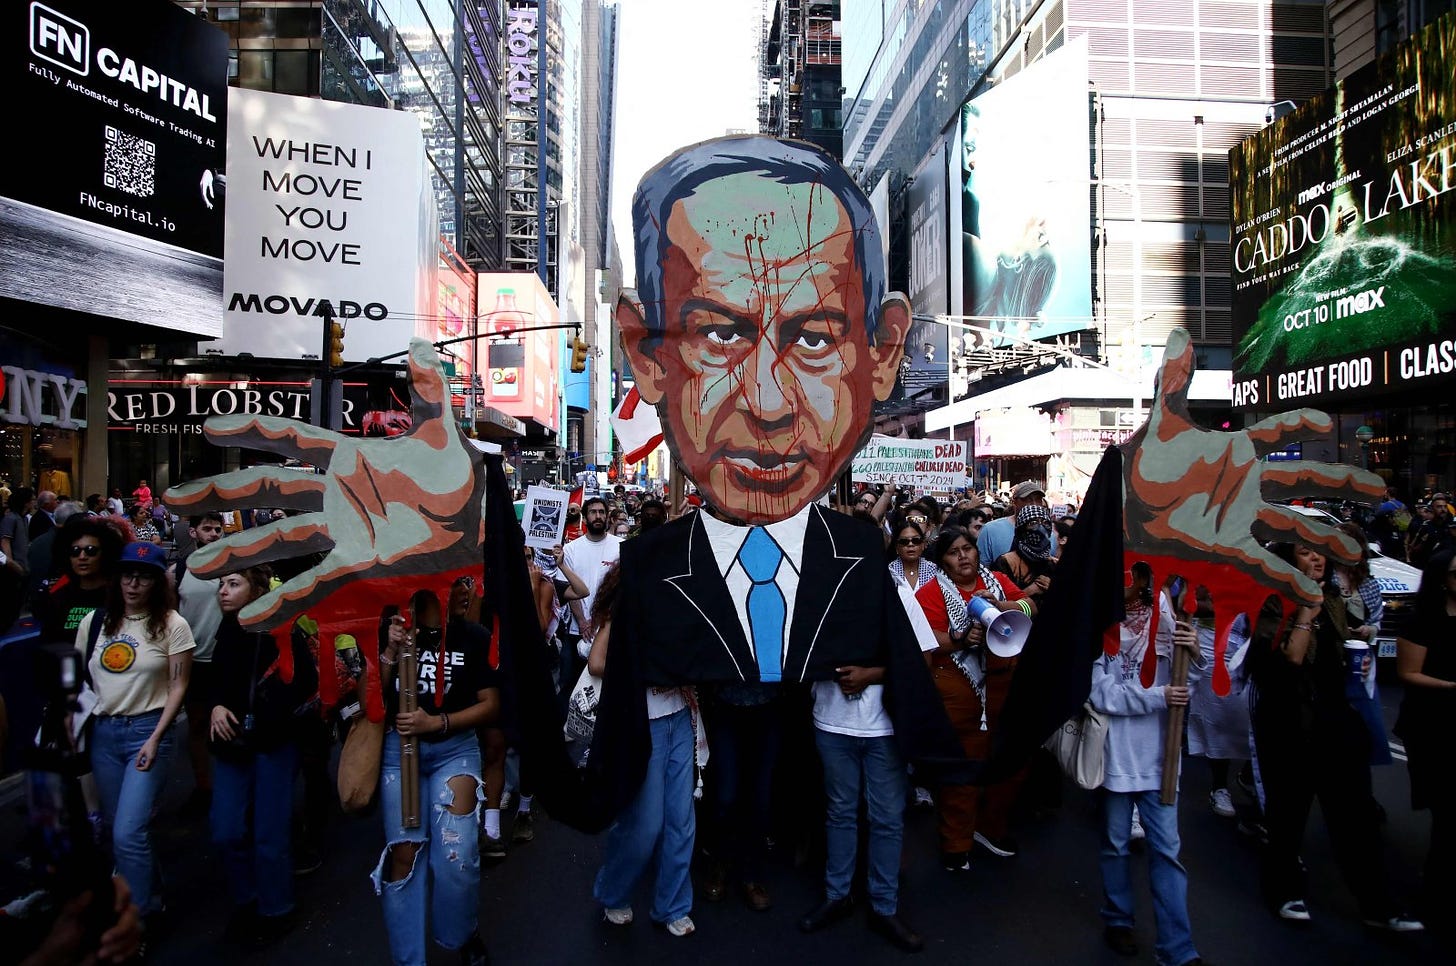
(910, 541)
(866, 501)
(138, 577)
(85, 550)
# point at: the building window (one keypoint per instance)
(296, 72)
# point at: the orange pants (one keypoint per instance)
(967, 809)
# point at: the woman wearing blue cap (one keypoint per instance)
(138, 658)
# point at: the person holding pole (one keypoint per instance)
(1137, 730)
(431, 867)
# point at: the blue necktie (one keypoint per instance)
(760, 558)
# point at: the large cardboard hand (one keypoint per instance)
(1199, 495)
(394, 507)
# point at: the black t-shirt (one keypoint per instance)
(466, 671)
(61, 610)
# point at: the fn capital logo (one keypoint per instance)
(59, 40)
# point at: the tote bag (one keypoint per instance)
(1079, 747)
(359, 764)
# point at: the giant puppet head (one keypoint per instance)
(764, 334)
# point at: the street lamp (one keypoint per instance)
(1364, 434)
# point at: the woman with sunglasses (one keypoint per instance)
(908, 566)
(89, 550)
(256, 732)
(973, 685)
(139, 669)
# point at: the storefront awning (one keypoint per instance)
(1209, 385)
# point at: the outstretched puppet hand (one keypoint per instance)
(397, 506)
(1199, 495)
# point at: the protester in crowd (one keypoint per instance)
(90, 549)
(114, 504)
(856, 743)
(590, 555)
(1313, 743)
(1426, 665)
(139, 669)
(745, 724)
(46, 562)
(973, 684)
(1030, 561)
(998, 536)
(908, 566)
(1137, 723)
(14, 554)
(1218, 725)
(142, 526)
(659, 822)
(1365, 609)
(1064, 532)
(255, 728)
(877, 505)
(198, 602)
(434, 869)
(651, 514)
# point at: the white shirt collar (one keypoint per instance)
(726, 539)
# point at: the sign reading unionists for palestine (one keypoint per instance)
(937, 465)
(1344, 237)
(110, 198)
(324, 206)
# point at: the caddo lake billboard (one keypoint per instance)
(1344, 240)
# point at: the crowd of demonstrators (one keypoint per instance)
(1294, 724)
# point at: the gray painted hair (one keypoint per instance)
(788, 163)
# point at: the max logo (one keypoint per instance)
(57, 39)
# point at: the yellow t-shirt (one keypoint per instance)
(129, 668)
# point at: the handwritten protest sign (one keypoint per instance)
(934, 465)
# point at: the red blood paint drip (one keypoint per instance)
(1233, 593)
(283, 640)
(355, 609)
(1111, 640)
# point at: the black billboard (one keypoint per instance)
(114, 205)
(1344, 237)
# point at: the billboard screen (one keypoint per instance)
(327, 202)
(111, 200)
(1025, 220)
(925, 346)
(1344, 236)
(519, 371)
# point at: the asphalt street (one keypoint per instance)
(1037, 908)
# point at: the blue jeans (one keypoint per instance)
(871, 766)
(259, 865)
(660, 820)
(127, 797)
(449, 852)
(1168, 878)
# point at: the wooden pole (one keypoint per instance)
(409, 763)
(1173, 740)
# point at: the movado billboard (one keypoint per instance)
(1344, 236)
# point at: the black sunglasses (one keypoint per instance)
(85, 550)
(910, 541)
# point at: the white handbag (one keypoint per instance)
(1080, 745)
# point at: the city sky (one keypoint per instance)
(686, 72)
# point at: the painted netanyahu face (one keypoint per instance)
(765, 377)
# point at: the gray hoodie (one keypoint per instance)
(1137, 716)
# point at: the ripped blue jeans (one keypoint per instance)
(444, 882)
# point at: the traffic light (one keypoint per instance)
(579, 350)
(336, 344)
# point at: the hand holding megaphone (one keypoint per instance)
(1006, 630)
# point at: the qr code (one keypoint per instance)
(131, 163)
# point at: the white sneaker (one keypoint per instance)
(1295, 911)
(1222, 803)
(681, 927)
(922, 797)
(1137, 834)
(619, 917)
(1398, 923)
(505, 804)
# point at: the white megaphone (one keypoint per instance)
(1006, 630)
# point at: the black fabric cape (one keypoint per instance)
(1054, 673)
